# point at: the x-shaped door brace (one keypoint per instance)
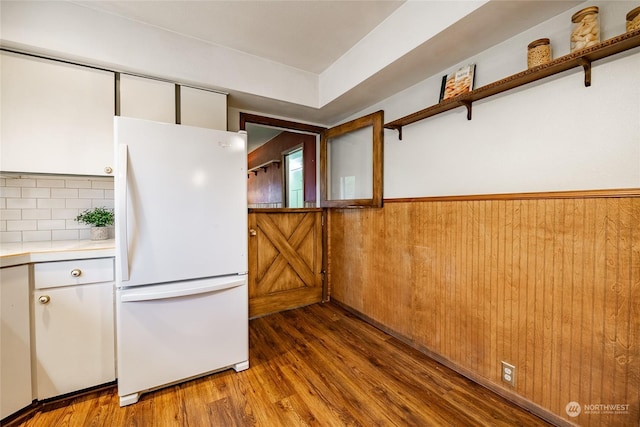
(287, 249)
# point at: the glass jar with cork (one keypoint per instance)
(585, 30)
(538, 52)
(633, 20)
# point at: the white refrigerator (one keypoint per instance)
(181, 254)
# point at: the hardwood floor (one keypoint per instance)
(314, 366)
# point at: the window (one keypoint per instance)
(294, 179)
(351, 163)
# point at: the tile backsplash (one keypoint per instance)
(44, 207)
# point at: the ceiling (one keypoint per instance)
(309, 35)
(258, 135)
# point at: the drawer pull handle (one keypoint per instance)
(44, 299)
(76, 272)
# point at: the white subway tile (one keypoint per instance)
(64, 213)
(90, 194)
(84, 234)
(21, 203)
(102, 203)
(78, 203)
(106, 184)
(36, 193)
(12, 214)
(15, 192)
(64, 235)
(72, 224)
(21, 225)
(36, 214)
(51, 203)
(51, 183)
(64, 193)
(36, 236)
(76, 183)
(10, 236)
(21, 182)
(40, 208)
(51, 224)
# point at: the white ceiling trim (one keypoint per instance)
(411, 25)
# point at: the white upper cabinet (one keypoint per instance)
(203, 108)
(148, 99)
(56, 117)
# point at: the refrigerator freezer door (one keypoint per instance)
(181, 202)
(172, 332)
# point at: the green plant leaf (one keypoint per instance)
(98, 217)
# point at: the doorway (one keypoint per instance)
(294, 179)
(282, 163)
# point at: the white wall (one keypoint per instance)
(551, 135)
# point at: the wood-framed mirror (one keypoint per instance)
(273, 177)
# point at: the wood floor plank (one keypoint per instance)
(314, 366)
(297, 413)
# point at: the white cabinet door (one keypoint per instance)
(15, 340)
(74, 338)
(147, 99)
(203, 108)
(56, 117)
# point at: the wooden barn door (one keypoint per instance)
(285, 259)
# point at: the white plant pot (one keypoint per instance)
(99, 233)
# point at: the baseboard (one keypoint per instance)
(25, 414)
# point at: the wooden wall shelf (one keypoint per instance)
(582, 58)
(264, 166)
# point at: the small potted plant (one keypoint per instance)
(99, 219)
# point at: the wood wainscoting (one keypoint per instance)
(549, 283)
(285, 259)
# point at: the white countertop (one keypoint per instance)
(28, 252)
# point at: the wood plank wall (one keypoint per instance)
(549, 283)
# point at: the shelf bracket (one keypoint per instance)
(586, 64)
(468, 105)
(399, 129)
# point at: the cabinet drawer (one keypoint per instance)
(78, 272)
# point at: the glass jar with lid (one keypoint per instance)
(538, 52)
(585, 30)
(633, 20)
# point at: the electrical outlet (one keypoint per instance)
(509, 374)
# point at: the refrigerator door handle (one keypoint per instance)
(183, 289)
(123, 241)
